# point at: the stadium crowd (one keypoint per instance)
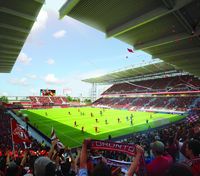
(160, 102)
(172, 150)
(170, 84)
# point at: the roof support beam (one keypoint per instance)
(184, 22)
(18, 29)
(67, 7)
(179, 52)
(7, 55)
(7, 63)
(148, 70)
(7, 58)
(5, 71)
(166, 40)
(6, 66)
(195, 66)
(8, 52)
(17, 14)
(12, 38)
(146, 18)
(188, 61)
(40, 1)
(10, 46)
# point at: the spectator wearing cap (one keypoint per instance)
(162, 162)
(43, 166)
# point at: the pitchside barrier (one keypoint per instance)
(160, 122)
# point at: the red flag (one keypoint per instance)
(19, 135)
(130, 50)
(53, 137)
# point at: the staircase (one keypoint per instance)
(37, 99)
(50, 100)
(151, 100)
(135, 99)
(195, 102)
(170, 101)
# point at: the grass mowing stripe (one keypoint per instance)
(71, 136)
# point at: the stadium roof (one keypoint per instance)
(140, 72)
(167, 29)
(16, 20)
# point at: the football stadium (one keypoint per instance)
(145, 122)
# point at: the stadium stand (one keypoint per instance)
(48, 100)
(176, 147)
(170, 143)
(165, 142)
(171, 84)
(178, 103)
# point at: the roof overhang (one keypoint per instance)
(16, 20)
(152, 70)
(166, 29)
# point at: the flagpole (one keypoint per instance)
(13, 144)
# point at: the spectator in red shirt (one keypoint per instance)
(162, 163)
(193, 152)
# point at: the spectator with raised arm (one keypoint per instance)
(135, 163)
(100, 169)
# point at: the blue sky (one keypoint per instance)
(58, 54)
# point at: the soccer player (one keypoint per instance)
(82, 129)
(106, 121)
(118, 120)
(75, 124)
(147, 121)
(96, 120)
(131, 116)
(46, 114)
(96, 129)
(101, 113)
(127, 118)
(69, 113)
(91, 114)
(132, 122)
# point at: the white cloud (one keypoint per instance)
(23, 58)
(73, 83)
(50, 61)
(39, 25)
(52, 79)
(41, 21)
(19, 81)
(55, 5)
(3, 94)
(18, 69)
(32, 76)
(59, 34)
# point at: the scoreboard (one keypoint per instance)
(47, 92)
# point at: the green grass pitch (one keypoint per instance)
(71, 136)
